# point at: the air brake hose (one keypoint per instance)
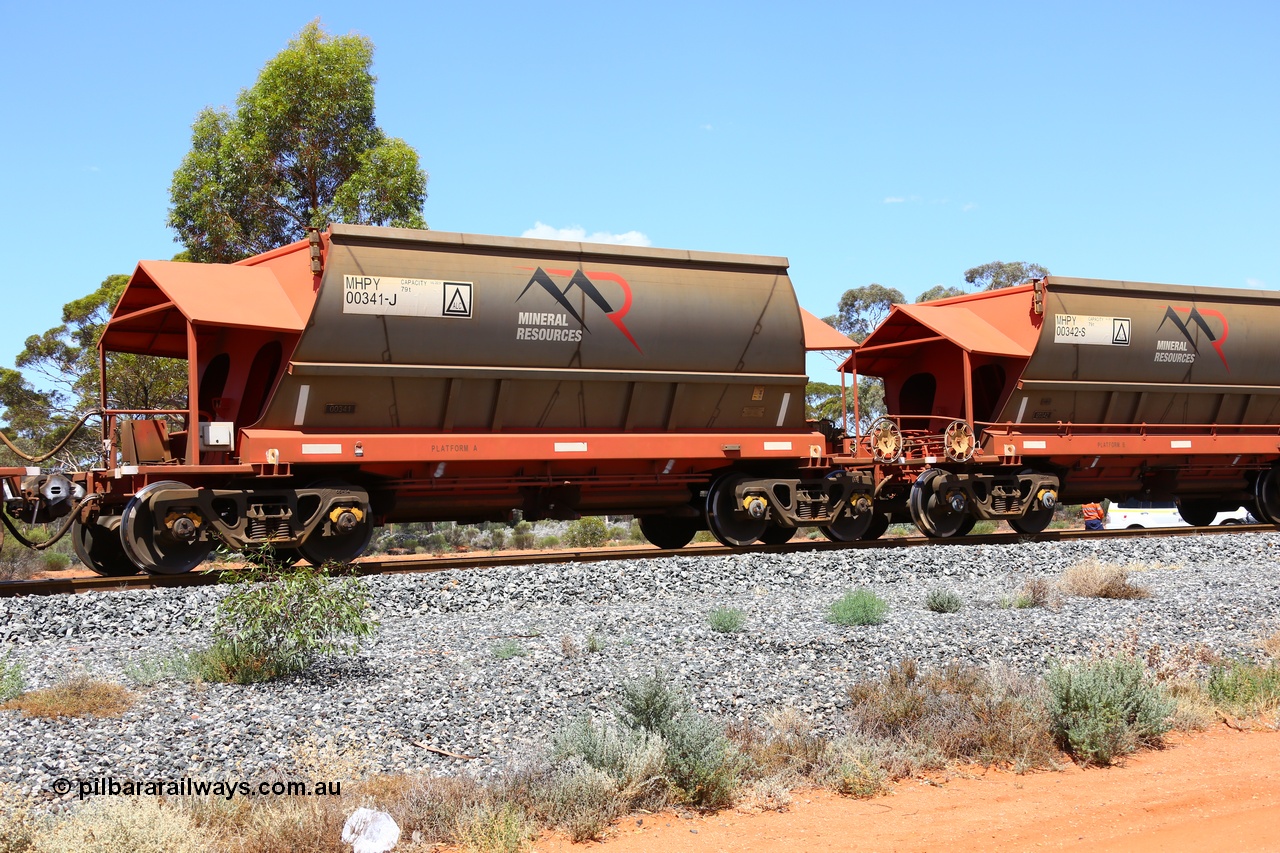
(62, 531)
(61, 444)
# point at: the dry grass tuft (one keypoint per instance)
(1194, 711)
(959, 713)
(18, 819)
(126, 825)
(80, 697)
(1271, 645)
(786, 747)
(1096, 579)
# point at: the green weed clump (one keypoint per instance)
(587, 532)
(943, 601)
(1104, 709)
(1245, 688)
(860, 607)
(12, 676)
(726, 620)
(508, 649)
(277, 621)
(494, 828)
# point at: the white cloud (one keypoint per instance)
(894, 199)
(705, 126)
(968, 207)
(578, 234)
(1256, 283)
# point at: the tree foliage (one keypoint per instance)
(823, 400)
(940, 291)
(862, 308)
(65, 361)
(301, 150)
(998, 274)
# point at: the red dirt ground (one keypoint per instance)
(1216, 791)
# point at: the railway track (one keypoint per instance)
(412, 565)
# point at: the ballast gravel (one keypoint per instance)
(433, 675)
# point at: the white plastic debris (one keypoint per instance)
(370, 831)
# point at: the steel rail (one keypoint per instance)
(416, 565)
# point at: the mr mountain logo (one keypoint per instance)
(1183, 347)
(555, 325)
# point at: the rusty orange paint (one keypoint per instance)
(820, 336)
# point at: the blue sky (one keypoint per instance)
(890, 143)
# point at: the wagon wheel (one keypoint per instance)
(728, 521)
(885, 440)
(879, 524)
(344, 536)
(98, 546)
(959, 442)
(159, 552)
(1266, 493)
(1198, 513)
(667, 532)
(1035, 521)
(851, 526)
(931, 511)
(776, 534)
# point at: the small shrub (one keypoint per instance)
(276, 622)
(1244, 688)
(494, 828)
(523, 538)
(1271, 645)
(1103, 709)
(578, 799)
(650, 703)
(20, 819)
(546, 543)
(595, 645)
(726, 620)
(633, 759)
(982, 528)
(1096, 579)
(134, 824)
(81, 696)
(568, 647)
(587, 532)
(54, 561)
(859, 773)
(943, 601)
(12, 674)
(704, 536)
(702, 765)
(435, 543)
(860, 607)
(957, 713)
